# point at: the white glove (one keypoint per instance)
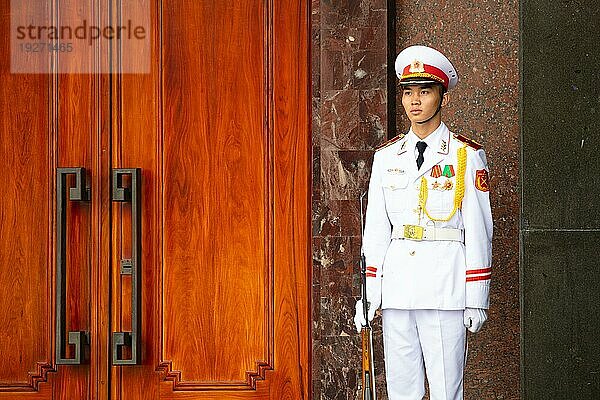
(474, 318)
(374, 299)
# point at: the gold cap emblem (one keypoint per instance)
(416, 66)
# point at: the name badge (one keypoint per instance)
(396, 171)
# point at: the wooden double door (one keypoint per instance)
(154, 227)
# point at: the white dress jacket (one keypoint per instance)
(426, 274)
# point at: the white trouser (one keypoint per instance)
(436, 337)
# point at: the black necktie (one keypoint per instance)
(421, 147)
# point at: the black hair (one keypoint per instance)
(426, 85)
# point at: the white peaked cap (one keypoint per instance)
(422, 64)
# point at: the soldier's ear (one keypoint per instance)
(445, 99)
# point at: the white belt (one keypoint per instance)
(417, 232)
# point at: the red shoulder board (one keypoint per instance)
(468, 142)
(389, 142)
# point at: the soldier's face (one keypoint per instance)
(420, 102)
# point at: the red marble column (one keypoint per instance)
(482, 40)
(350, 118)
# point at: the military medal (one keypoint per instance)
(436, 171)
(444, 185)
(448, 171)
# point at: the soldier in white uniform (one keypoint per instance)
(427, 239)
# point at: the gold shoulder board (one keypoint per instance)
(468, 142)
(390, 142)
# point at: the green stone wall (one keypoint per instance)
(560, 220)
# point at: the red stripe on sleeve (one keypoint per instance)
(372, 275)
(479, 278)
(479, 271)
(372, 269)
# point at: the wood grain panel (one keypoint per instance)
(136, 143)
(220, 129)
(287, 214)
(25, 226)
(47, 122)
(214, 176)
(292, 183)
(215, 263)
(26, 161)
(73, 119)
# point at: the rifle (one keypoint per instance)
(368, 370)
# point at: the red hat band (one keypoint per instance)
(420, 70)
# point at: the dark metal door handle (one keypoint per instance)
(79, 339)
(130, 266)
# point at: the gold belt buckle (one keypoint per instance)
(414, 232)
